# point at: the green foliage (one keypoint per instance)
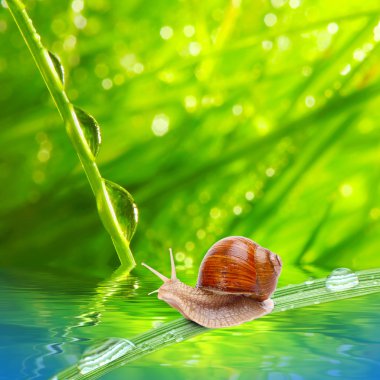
(221, 118)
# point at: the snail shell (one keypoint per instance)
(238, 265)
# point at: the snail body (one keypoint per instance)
(236, 278)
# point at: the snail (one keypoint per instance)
(236, 278)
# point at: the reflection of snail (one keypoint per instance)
(235, 281)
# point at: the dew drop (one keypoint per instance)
(91, 130)
(146, 347)
(124, 208)
(57, 66)
(179, 339)
(169, 336)
(103, 353)
(341, 279)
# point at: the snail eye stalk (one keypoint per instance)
(158, 274)
(161, 276)
(174, 275)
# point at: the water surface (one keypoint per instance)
(47, 321)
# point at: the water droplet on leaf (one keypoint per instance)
(103, 353)
(341, 279)
(124, 208)
(91, 130)
(169, 336)
(57, 66)
(146, 347)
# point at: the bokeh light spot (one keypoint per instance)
(195, 48)
(376, 32)
(346, 69)
(249, 195)
(160, 124)
(191, 103)
(270, 172)
(189, 31)
(346, 190)
(166, 32)
(77, 5)
(267, 45)
(107, 83)
(294, 4)
(270, 19)
(237, 109)
(332, 28)
(237, 210)
(310, 101)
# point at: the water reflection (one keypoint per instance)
(49, 322)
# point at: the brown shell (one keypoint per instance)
(238, 265)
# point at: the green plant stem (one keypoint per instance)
(286, 298)
(74, 130)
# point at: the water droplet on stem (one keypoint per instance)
(91, 130)
(57, 66)
(124, 208)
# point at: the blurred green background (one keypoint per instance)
(254, 118)
(220, 117)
